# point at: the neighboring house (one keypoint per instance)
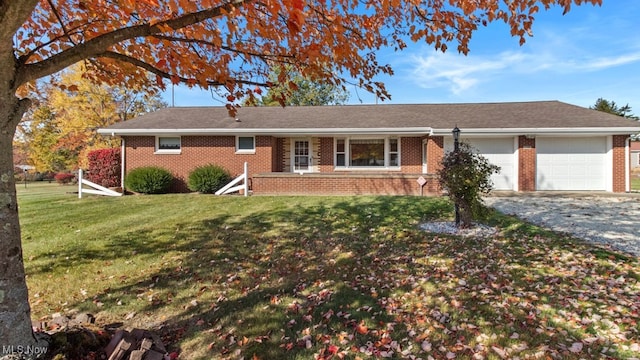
(635, 156)
(384, 149)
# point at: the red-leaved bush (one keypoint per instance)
(104, 167)
(64, 178)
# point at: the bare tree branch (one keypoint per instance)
(62, 25)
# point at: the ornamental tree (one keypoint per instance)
(466, 176)
(229, 44)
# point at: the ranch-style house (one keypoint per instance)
(384, 149)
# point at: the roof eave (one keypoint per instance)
(576, 131)
(414, 131)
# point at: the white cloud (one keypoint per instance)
(459, 74)
(601, 63)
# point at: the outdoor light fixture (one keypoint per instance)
(456, 147)
(456, 138)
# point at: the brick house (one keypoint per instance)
(384, 149)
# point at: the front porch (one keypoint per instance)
(352, 183)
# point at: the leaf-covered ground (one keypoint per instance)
(328, 278)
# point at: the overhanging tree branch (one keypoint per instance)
(100, 44)
(276, 57)
(154, 70)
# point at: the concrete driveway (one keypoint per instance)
(601, 218)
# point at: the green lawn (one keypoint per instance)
(635, 183)
(330, 277)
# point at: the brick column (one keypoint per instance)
(619, 165)
(325, 164)
(526, 164)
(435, 153)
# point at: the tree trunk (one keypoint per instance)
(16, 333)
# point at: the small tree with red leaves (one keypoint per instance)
(104, 167)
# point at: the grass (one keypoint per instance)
(325, 277)
(635, 183)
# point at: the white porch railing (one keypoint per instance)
(229, 188)
(97, 189)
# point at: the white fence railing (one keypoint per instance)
(97, 189)
(229, 188)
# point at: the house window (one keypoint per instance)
(371, 153)
(245, 144)
(340, 152)
(168, 144)
(393, 152)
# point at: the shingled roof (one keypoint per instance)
(511, 117)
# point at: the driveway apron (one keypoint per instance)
(603, 219)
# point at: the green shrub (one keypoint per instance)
(148, 180)
(466, 176)
(208, 179)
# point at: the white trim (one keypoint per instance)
(415, 131)
(516, 162)
(425, 155)
(167, 151)
(608, 167)
(406, 131)
(245, 151)
(627, 165)
(576, 131)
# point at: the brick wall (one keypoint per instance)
(325, 164)
(342, 184)
(271, 176)
(198, 151)
(411, 155)
(619, 164)
(526, 164)
(435, 153)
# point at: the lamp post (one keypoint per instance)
(456, 147)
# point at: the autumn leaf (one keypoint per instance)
(361, 329)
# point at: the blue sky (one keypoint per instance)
(588, 53)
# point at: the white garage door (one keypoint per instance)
(499, 151)
(571, 163)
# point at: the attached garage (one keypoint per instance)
(575, 163)
(498, 151)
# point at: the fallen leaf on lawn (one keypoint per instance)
(426, 346)
(576, 347)
(362, 329)
(500, 352)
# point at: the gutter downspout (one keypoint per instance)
(627, 164)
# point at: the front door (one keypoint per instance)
(301, 156)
